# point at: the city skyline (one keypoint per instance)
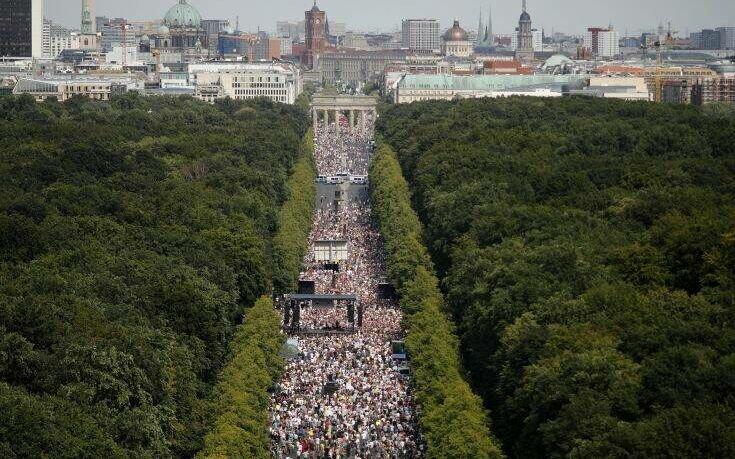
(556, 16)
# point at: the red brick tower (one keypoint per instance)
(316, 35)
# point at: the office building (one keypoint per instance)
(414, 88)
(67, 86)
(266, 48)
(213, 28)
(111, 34)
(727, 37)
(286, 46)
(602, 42)
(706, 39)
(255, 47)
(420, 34)
(21, 28)
(624, 88)
(292, 30)
(279, 82)
(55, 39)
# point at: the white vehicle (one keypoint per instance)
(335, 180)
(359, 179)
(321, 179)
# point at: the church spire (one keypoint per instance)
(480, 31)
(524, 5)
(489, 30)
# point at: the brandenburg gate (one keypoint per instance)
(357, 108)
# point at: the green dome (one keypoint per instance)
(182, 15)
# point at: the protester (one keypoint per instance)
(343, 396)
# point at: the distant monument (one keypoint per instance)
(524, 51)
(88, 26)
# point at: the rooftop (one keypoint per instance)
(485, 82)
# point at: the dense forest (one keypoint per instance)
(451, 418)
(133, 236)
(241, 397)
(586, 249)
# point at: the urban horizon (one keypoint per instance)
(546, 17)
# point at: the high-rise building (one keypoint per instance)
(21, 28)
(524, 51)
(292, 30)
(266, 48)
(112, 34)
(420, 34)
(284, 28)
(88, 24)
(213, 28)
(46, 38)
(256, 47)
(316, 35)
(286, 46)
(602, 42)
(99, 21)
(55, 39)
(707, 39)
(727, 37)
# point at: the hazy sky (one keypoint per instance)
(570, 16)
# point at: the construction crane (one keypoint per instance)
(124, 30)
(658, 83)
(670, 35)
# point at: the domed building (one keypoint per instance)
(182, 15)
(559, 64)
(182, 32)
(455, 42)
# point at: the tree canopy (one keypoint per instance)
(133, 236)
(586, 249)
(451, 416)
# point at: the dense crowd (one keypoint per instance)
(343, 150)
(343, 396)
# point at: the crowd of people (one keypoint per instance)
(343, 150)
(317, 318)
(343, 395)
